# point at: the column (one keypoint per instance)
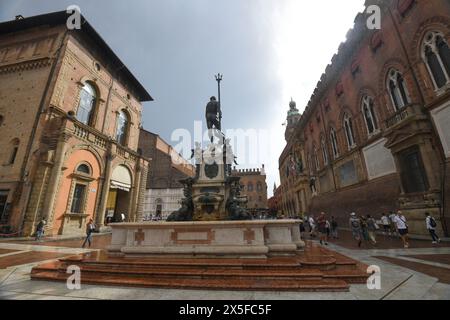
(431, 165)
(101, 209)
(136, 190)
(53, 183)
(142, 192)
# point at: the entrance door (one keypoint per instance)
(3, 205)
(413, 174)
(120, 193)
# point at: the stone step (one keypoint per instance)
(351, 276)
(185, 263)
(191, 272)
(204, 284)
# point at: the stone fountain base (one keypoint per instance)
(212, 239)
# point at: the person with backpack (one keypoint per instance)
(40, 229)
(334, 228)
(392, 217)
(431, 226)
(365, 231)
(372, 227)
(355, 226)
(402, 228)
(90, 228)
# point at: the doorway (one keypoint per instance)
(3, 206)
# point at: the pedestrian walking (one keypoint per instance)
(40, 229)
(322, 228)
(364, 230)
(372, 228)
(306, 223)
(355, 226)
(431, 227)
(392, 217)
(334, 228)
(328, 226)
(312, 225)
(90, 227)
(386, 225)
(402, 228)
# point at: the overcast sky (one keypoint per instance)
(267, 50)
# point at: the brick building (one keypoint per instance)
(70, 113)
(164, 191)
(375, 136)
(275, 202)
(254, 188)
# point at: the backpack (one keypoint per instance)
(433, 223)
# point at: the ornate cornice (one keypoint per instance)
(26, 65)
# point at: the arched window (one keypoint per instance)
(310, 165)
(397, 90)
(250, 187)
(369, 114)
(259, 186)
(436, 54)
(123, 122)
(316, 159)
(86, 107)
(324, 150)
(348, 128)
(14, 147)
(84, 168)
(334, 143)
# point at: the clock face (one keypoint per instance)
(211, 170)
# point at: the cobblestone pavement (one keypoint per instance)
(414, 273)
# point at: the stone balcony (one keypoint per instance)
(410, 112)
(93, 136)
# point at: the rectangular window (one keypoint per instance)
(413, 174)
(78, 198)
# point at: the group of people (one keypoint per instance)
(90, 229)
(364, 228)
(325, 228)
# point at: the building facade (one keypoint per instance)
(70, 113)
(374, 136)
(275, 202)
(294, 181)
(254, 188)
(164, 192)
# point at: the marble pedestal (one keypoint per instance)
(221, 239)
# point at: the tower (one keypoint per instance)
(293, 116)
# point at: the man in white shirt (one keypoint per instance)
(431, 227)
(402, 227)
(392, 216)
(386, 224)
(312, 225)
